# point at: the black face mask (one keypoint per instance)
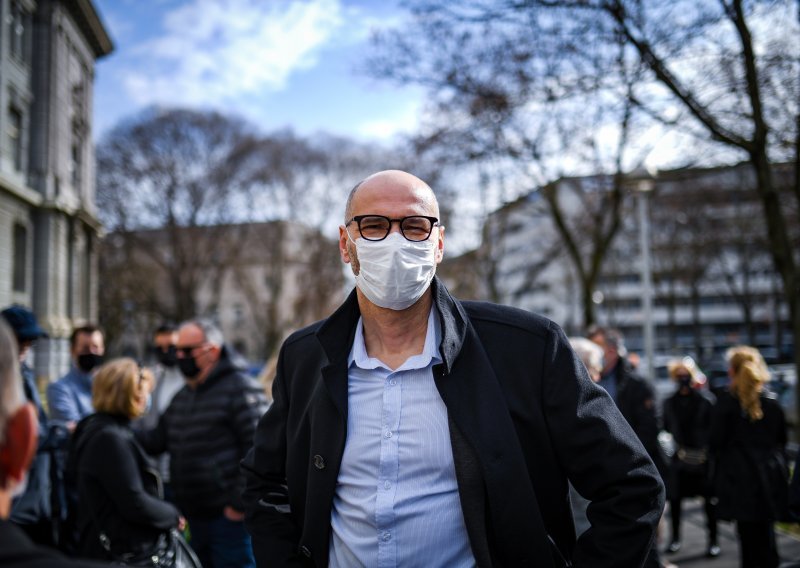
(167, 358)
(88, 361)
(188, 367)
(685, 381)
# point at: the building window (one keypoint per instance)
(20, 257)
(76, 160)
(14, 131)
(17, 20)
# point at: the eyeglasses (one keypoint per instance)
(377, 227)
(185, 352)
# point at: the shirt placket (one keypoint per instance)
(388, 469)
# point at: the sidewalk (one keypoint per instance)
(693, 549)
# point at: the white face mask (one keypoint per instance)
(395, 272)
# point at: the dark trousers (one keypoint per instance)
(711, 519)
(757, 548)
(221, 543)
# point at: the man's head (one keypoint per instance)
(87, 347)
(393, 217)
(591, 355)
(613, 345)
(18, 427)
(165, 338)
(25, 327)
(198, 349)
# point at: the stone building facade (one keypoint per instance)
(48, 224)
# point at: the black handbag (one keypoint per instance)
(692, 460)
(170, 551)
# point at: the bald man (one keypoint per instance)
(411, 429)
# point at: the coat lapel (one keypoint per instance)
(476, 404)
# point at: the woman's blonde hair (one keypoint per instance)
(750, 374)
(120, 387)
(686, 365)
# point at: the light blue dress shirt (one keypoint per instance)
(397, 501)
(70, 398)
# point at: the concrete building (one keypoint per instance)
(258, 281)
(713, 280)
(48, 224)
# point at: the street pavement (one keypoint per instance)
(693, 542)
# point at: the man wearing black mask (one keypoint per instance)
(207, 429)
(70, 397)
(169, 381)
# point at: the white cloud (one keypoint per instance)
(213, 51)
(406, 122)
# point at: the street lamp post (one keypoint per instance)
(645, 188)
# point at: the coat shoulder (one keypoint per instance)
(509, 317)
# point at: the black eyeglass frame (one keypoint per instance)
(358, 218)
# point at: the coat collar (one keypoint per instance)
(452, 318)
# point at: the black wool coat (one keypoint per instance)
(118, 488)
(750, 474)
(524, 418)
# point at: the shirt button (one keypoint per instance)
(387, 434)
(392, 382)
(386, 536)
(387, 484)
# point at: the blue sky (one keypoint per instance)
(276, 63)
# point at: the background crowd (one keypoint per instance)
(152, 453)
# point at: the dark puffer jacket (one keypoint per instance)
(207, 431)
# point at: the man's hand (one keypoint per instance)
(232, 514)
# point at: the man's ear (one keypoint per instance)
(19, 447)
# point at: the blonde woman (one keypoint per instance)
(748, 435)
(121, 515)
(687, 416)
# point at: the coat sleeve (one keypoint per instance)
(604, 460)
(268, 516)
(110, 460)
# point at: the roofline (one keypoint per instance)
(89, 22)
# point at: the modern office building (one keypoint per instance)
(48, 224)
(713, 282)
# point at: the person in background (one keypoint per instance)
(412, 429)
(591, 356)
(32, 510)
(70, 397)
(687, 416)
(207, 429)
(169, 381)
(18, 442)
(121, 515)
(748, 438)
(635, 399)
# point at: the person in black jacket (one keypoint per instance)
(635, 399)
(687, 416)
(748, 437)
(18, 442)
(121, 513)
(207, 429)
(420, 430)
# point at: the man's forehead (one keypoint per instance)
(189, 333)
(394, 192)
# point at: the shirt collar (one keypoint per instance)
(430, 354)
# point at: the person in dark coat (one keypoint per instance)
(635, 399)
(748, 437)
(424, 431)
(121, 513)
(207, 429)
(32, 510)
(687, 416)
(18, 442)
